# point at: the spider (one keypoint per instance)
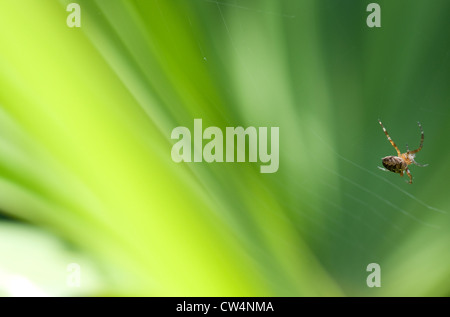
(399, 164)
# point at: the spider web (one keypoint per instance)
(361, 188)
(396, 187)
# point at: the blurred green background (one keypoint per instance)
(86, 174)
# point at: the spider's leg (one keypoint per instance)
(415, 163)
(409, 174)
(421, 140)
(407, 148)
(389, 138)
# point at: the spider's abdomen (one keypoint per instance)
(394, 164)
